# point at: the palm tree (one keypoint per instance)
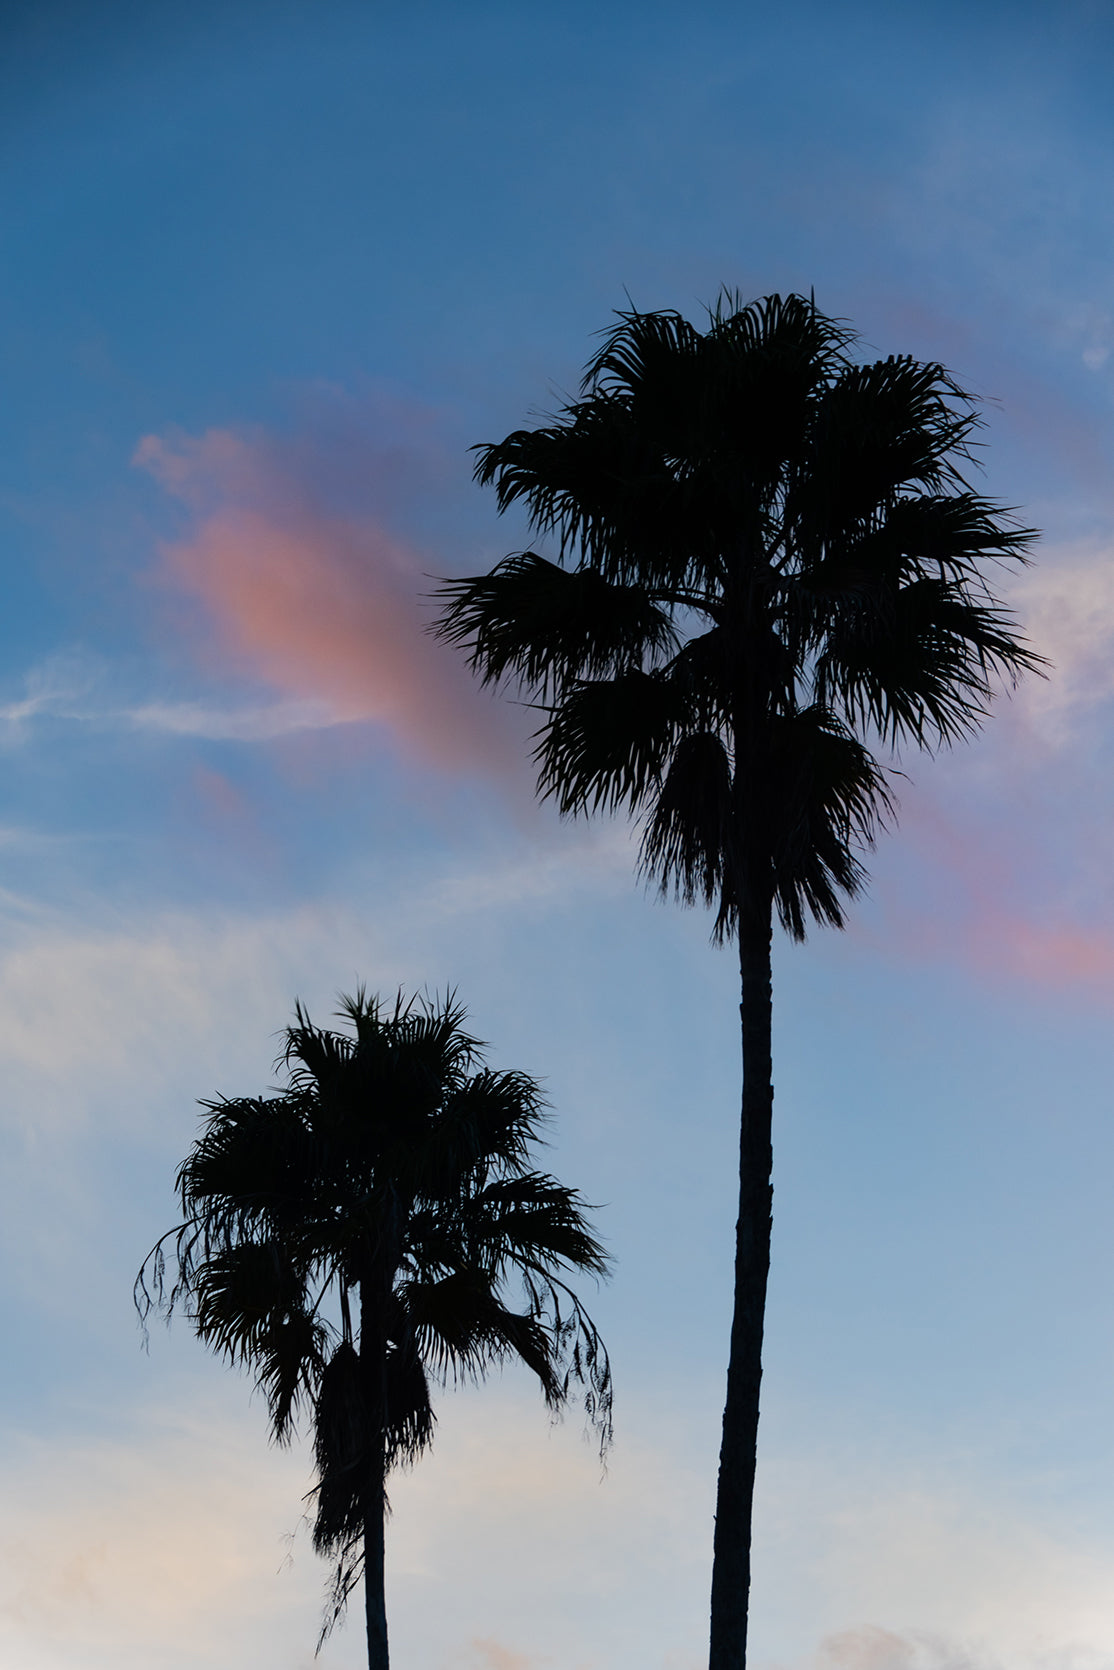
(364, 1231)
(769, 569)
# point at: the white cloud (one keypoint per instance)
(244, 724)
(897, 1572)
(54, 688)
(1066, 607)
(867, 1647)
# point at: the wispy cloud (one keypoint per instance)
(57, 687)
(228, 724)
(73, 688)
(1067, 604)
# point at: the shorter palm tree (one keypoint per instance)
(375, 1226)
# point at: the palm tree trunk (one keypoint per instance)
(738, 1452)
(373, 1359)
(375, 1602)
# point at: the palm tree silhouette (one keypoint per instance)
(770, 567)
(366, 1230)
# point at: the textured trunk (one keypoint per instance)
(373, 1360)
(738, 1452)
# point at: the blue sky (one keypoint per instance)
(266, 273)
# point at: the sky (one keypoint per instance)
(267, 271)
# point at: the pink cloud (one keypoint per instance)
(996, 896)
(1055, 955)
(319, 606)
(493, 1655)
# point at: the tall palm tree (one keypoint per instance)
(366, 1230)
(770, 569)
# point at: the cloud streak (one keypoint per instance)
(64, 687)
(261, 723)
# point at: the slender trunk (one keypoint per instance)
(738, 1452)
(373, 1361)
(375, 1602)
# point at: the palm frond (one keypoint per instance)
(607, 743)
(922, 663)
(639, 350)
(882, 429)
(689, 845)
(828, 797)
(487, 1124)
(462, 1329)
(250, 1304)
(544, 625)
(529, 1220)
(343, 1438)
(945, 536)
(616, 497)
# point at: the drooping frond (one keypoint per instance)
(462, 1327)
(828, 796)
(254, 1155)
(608, 742)
(342, 1440)
(641, 350)
(951, 537)
(250, 1304)
(689, 844)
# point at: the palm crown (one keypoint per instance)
(392, 1177)
(769, 560)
